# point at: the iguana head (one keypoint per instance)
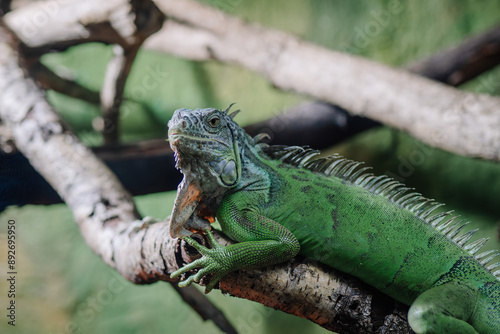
(209, 137)
(206, 143)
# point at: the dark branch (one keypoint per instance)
(50, 80)
(464, 62)
(5, 6)
(205, 309)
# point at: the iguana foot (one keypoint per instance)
(211, 262)
(443, 309)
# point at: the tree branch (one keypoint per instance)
(104, 211)
(66, 86)
(112, 91)
(71, 23)
(147, 19)
(453, 66)
(308, 289)
(317, 124)
(461, 122)
(459, 64)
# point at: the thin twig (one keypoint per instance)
(50, 80)
(112, 90)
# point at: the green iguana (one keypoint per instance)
(279, 201)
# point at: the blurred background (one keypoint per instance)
(63, 287)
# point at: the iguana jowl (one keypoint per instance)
(278, 201)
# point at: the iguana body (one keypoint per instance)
(278, 201)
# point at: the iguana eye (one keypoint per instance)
(214, 121)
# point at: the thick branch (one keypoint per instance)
(104, 211)
(453, 66)
(55, 26)
(331, 299)
(318, 124)
(58, 155)
(308, 289)
(461, 122)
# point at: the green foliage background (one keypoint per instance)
(64, 288)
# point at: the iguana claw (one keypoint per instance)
(210, 263)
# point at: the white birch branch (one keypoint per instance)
(140, 249)
(112, 91)
(57, 25)
(461, 122)
(458, 121)
(146, 19)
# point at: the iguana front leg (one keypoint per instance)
(262, 242)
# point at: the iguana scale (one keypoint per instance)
(279, 201)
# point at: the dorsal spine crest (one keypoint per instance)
(394, 191)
